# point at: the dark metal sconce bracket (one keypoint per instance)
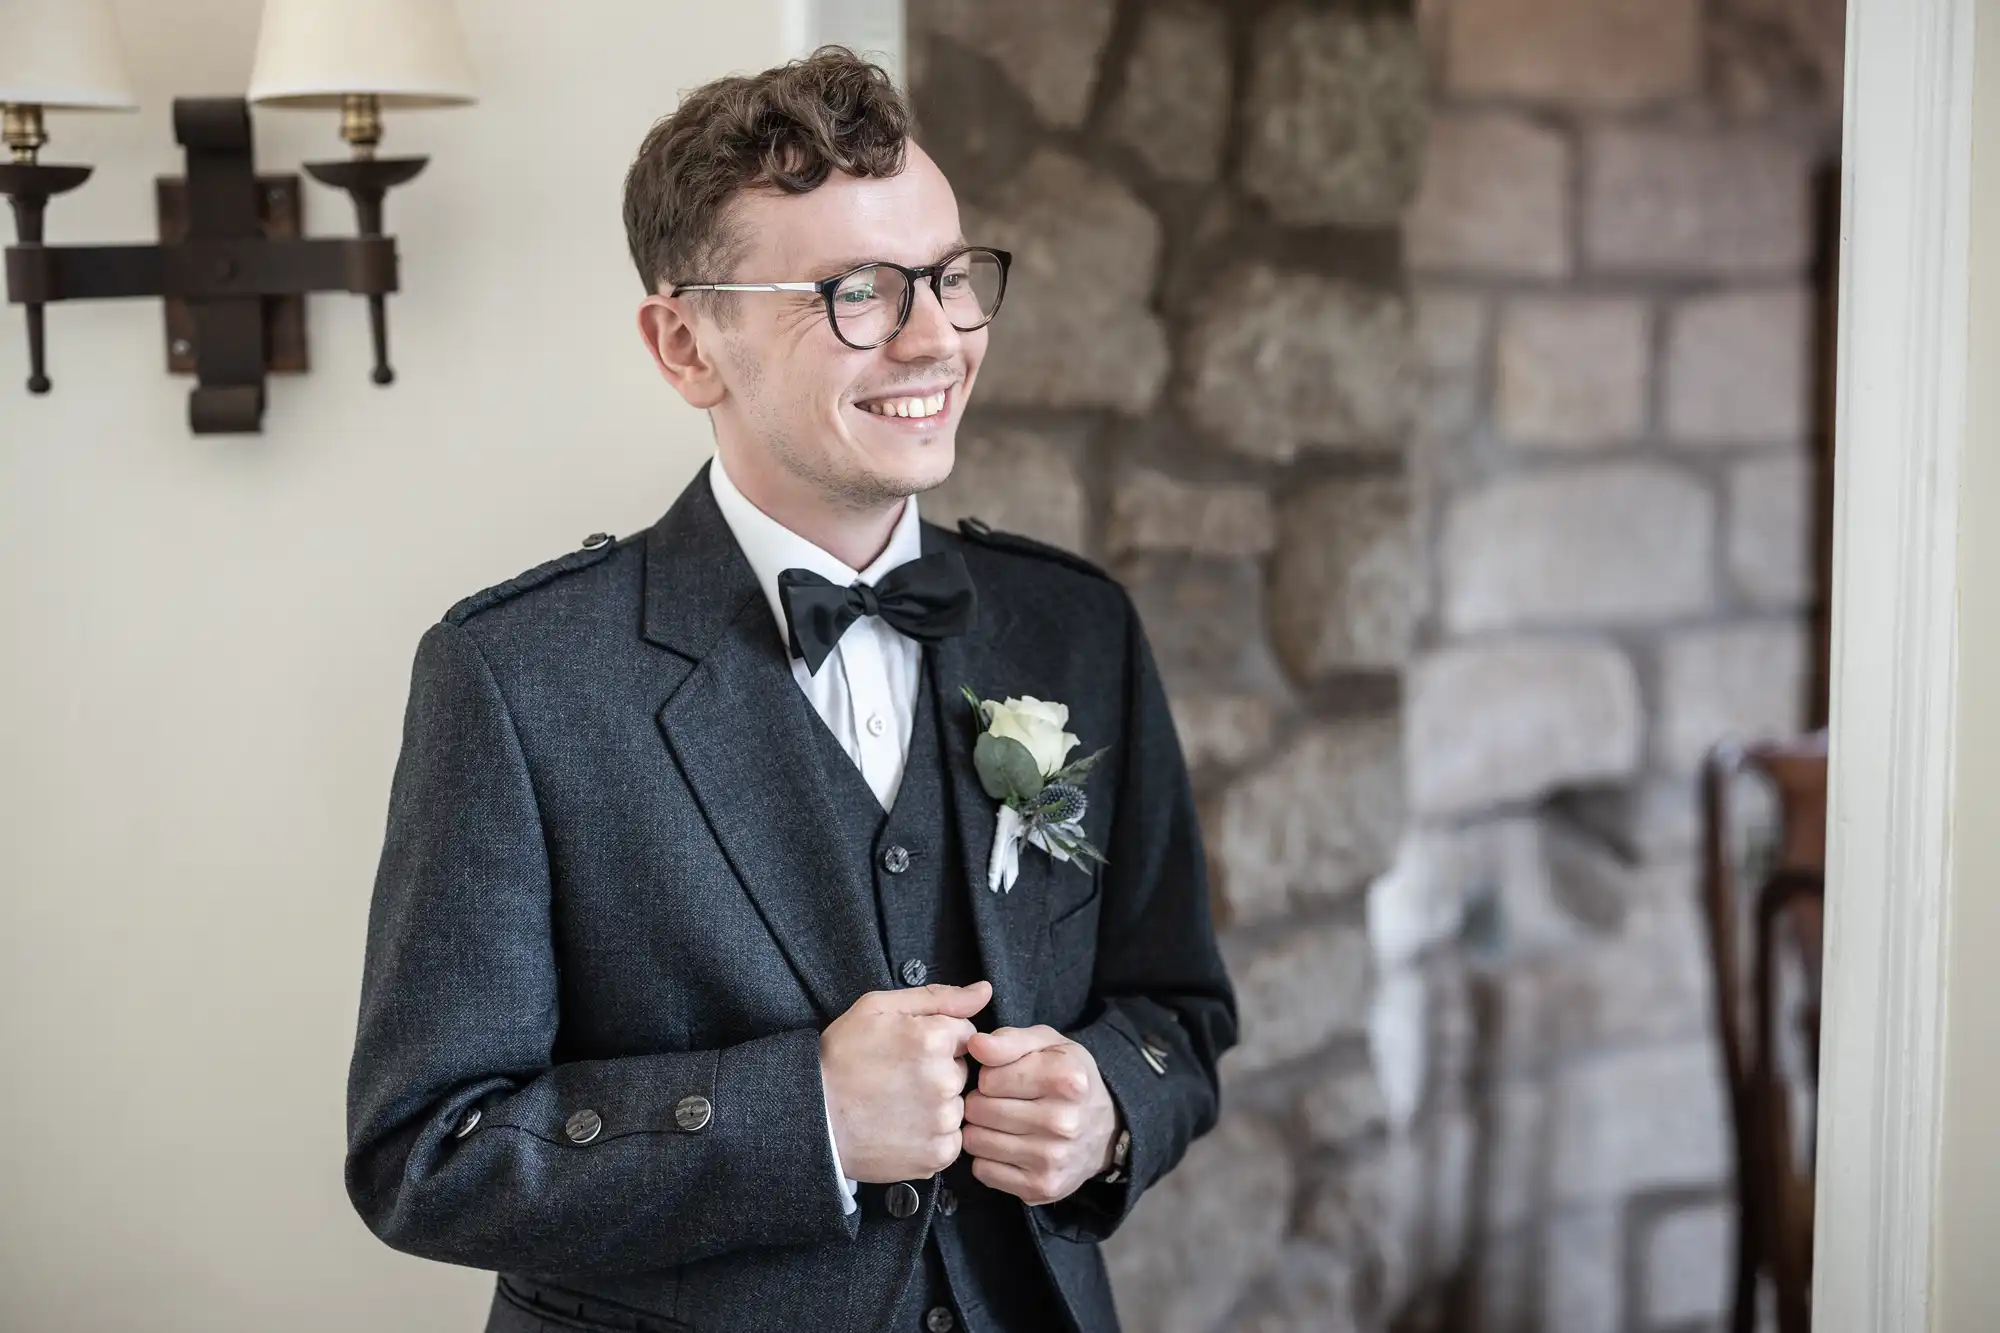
(230, 261)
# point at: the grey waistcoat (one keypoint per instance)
(979, 1262)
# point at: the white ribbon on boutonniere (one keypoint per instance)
(1019, 754)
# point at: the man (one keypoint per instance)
(698, 994)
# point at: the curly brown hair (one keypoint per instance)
(786, 129)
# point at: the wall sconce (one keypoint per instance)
(230, 262)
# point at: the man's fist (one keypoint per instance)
(894, 1068)
(1042, 1121)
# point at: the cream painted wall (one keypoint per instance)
(1966, 1278)
(205, 646)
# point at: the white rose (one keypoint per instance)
(1037, 725)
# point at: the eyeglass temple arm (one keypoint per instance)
(746, 287)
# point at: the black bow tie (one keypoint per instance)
(928, 599)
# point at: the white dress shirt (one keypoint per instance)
(866, 689)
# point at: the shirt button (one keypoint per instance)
(876, 724)
(896, 859)
(914, 972)
(939, 1320)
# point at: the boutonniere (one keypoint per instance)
(1019, 755)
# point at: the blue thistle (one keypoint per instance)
(1061, 803)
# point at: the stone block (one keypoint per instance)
(1493, 724)
(1399, 1040)
(1520, 1154)
(1616, 543)
(1596, 55)
(1154, 511)
(1340, 1106)
(1730, 682)
(1648, 981)
(1204, 1232)
(1205, 621)
(1642, 1118)
(1283, 362)
(1174, 107)
(1050, 48)
(1660, 200)
(1772, 530)
(1780, 61)
(1297, 994)
(1223, 730)
(1583, 1281)
(1347, 582)
(1334, 117)
(1420, 900)
(1078, 329)
(1739, 368)
(1451, 333)
(1401, 1212)
(1494, 199)
(1313, 1290)
(1313, 825)
(1687, 1265)
(1016, 480)
(1572, 372)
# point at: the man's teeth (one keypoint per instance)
(907, 407)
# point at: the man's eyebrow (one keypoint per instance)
(842, 265)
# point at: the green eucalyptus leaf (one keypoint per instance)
(1007, 770)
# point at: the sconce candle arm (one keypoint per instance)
(221, 265)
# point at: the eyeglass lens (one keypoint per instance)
(868, 304)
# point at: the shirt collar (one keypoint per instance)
(770, 546)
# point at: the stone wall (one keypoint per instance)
(1438, 383)
(1611, 260)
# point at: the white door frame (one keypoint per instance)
(1901, 381)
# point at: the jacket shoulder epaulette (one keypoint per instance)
(595, 547)
(977, 530)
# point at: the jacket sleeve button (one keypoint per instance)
(583, 1126)
(467, 1123)
(693, 1113)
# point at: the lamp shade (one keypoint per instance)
(64, 54)
(407, 53)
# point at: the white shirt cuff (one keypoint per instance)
(847, 1187)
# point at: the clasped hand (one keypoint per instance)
(1039, 1124)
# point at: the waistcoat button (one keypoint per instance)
(583, 1126)
(914, 972)
(939, 1320)
(896, 859)
(901, 1199)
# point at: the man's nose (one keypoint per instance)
(928, 335)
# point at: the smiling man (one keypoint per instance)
(742, 953)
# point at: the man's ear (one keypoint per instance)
(666, 325)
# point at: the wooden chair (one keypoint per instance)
(1760, 935)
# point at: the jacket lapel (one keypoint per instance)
(1011, 926)
(738, 727)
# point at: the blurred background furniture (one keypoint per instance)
(1763, 894)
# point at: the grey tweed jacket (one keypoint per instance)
(611, 919)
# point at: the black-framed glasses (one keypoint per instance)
(869, 304)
